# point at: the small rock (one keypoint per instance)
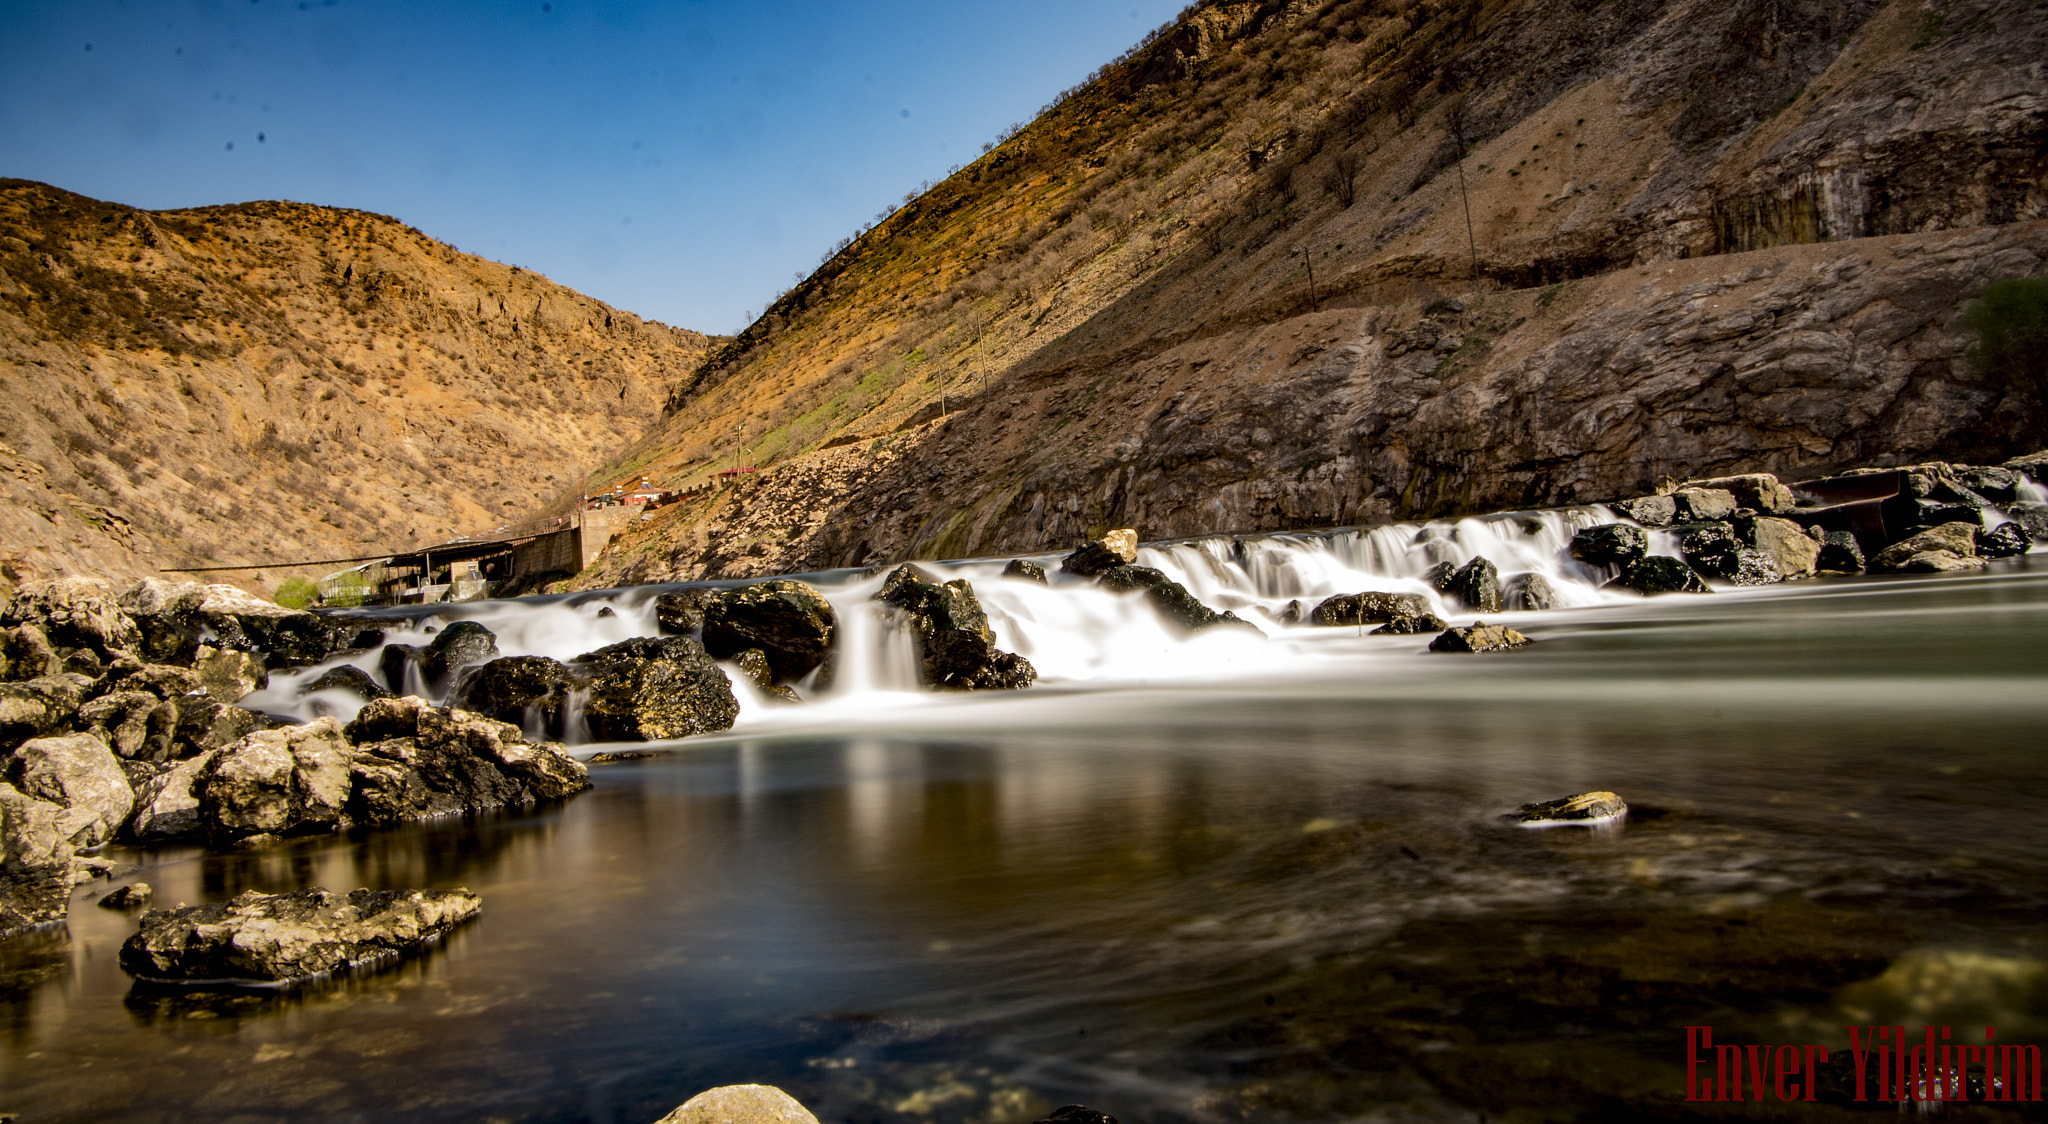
(1716, 550)
(1702, 504)
(1610, 544)
(1958, 539)
(1117, 548)
(135, 895)
(1529, 593)
(1289, 613)
(1758, 491)
(789, 620)
(1657, 573)
(291, 938)
(613, 755)
(2007, 540)
(1077, 1114)
(1411, 624)
(1839, 554)
(351, 679)
(1023, 569)
(740, 1104)
(1938, 562)
(1585, 809)
(1479, 637)
(1371, 607)
(606, 612)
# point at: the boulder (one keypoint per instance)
(1481, 637)
(122, 720)
(1529, 593)
(1656, 574)
(1757, 491)
(228, 674)
(514, 688)
(1585, 808)
(35, 862)
(1929, 495)
(1289, 613)
(1702, 504)
(1937, 562)
(1650, 511)
(753, 663)
(1475, 585)
(681, 613)
(2033, 465)
(740, 1104)
(2007, 540)
(286, 781)
(162, 681)
(1839, 554)
(80, 774)
(1716, 550)
(1610, 544)
(414, 761)
(349, 678)
(399, 664)
(74, 613)
(1368, 608)
(1789, 551)
(1169, 597)
(1117, 548)
(462, 644)
(167, 614)
(1958, 539)
(25, 653)
(1411, 624)
(135, 895)
(205, 725)
(653, 689)
(287, 637)
(956, 648)
(1023, 569)
(291, 938)
(789, 620)
(39, 706)
(1998, 485)
(167, 805)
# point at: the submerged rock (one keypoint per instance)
(1529, 593)
(1076, 1114)
(1169, 597)
(653, 689)
(1117, 548)
(740, 1104)
(789, 620)
(1657, 573)
(1367, 608)
(1958, 540)
(291, 938)
(1023, 569)
(1583, 808)
(1475, 585)
(1610, 544)
(956, 648)
(2007, 540)
(1481, 637)
(35, 862)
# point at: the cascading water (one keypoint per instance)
(1076, 634)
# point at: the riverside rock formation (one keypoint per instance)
(281, 381)
(290, 938)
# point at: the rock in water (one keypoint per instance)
(1790, 552)
(35, 862)
(1480, 637)
(1475, 585)
(2032, 518)
(1077, 1114)
(682, 613)
(414, 760)
(1529, 593)
(1839, 554)
(1023, 569)
(1610, 544)
(1412, 624)
(1585, 809)
(1117, 548)
(956, 649)
(1368, 608)
(1958, 541)
(135, 895)
(278, 782)
(2007, 540)
(740, 1104)
(653, 689)
(509, 687)
(789, 620)
(348, 678)
(1171, 598)
(291, 938)
(1657, 573)
(462, 644)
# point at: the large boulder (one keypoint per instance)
(1529, 593)
(789, 620)
(1929, 496)
(1117, 548)
(415, 760)
(279, 782)
(205, 725)
(2007, 540)
(681, 613)
(40, 706)
(1475, 585)
(956, 648)
(167, 805)
(79, 773)
(1716, 550)
(1957, 539)
(462, 644)
(516, 688)
(1657, 573)
(1169, 597)
(1757, 491)
(740, 1104)
(291, 938)
(1650, 511)
(1998, 485)
(1371, 607)
(1609, 544)
(654, 689)
(349, 679)
(35, 861)
(167, 614)
(25, 653)
(74, 613)
(1700, 505)
(1481, 637)
(1789, 551)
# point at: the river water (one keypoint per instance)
(1224, 879)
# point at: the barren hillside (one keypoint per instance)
(265, 381)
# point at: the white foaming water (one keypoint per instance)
(1074, 633)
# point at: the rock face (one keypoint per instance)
(956, 649)
(1117, 548)
(1659, 573)
(1478, 638)
(1583, 808)
(655, 689)
(1955, 541)
(1368, 608)
(1475, 585)
(35, 862)
(1610, 544)
(789, 620)
(291, 938)
(740, 1104)
(1169, 597)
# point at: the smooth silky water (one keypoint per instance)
(1221, 879)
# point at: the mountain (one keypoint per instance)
(264, 382)
(1295, 264)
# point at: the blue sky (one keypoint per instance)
(683, 160)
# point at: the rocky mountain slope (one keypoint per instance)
(241, 384)
(1328, 261)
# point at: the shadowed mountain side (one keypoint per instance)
(278, 380)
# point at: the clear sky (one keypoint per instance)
(682, 160)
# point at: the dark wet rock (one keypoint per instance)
(1698, 505)
(753, 663)
(1481, 637)
(1289, 613)
(122, 720)
(1717, 551)
(681, 613)
(612, 756)
(462, 644)
(349, 678)
(2007, 540)
(39, 706)
(956, 648)
(25, 653)
(74, 613)
(35, 861)
(228, 674)
(1412, 624)
(1650, 511)
(1839, 554)
(510, 687)
(285, 781)
(395, 661)
(655, 688)
(1117, 548)
(1659, 573)
(167, 805)
(1077, 1114)
(740, 1104)
(1475, 585)
(1169, 597)
(204, 724)
(1023, 569)
(606, 612)
(2031, 516)
(1610, 544)
(1367, 608)
(135, 895)
(80, 774)
(1585, 807)
(1529, 593)
(290, 938)
(1756, 491)
(1958, 539)
(1998, 485)
(789, 620)
(1789, 552)
(414, 760)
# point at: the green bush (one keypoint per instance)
(2010, 322)
(296, 593)
(347, 591)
